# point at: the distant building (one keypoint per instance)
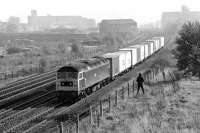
(117, 26)
(170, 19)
(49, 22)
(14, 20)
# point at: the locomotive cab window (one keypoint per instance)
(72, 75)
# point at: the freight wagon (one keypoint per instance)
(134, 55)
(161, 40)
(142, 50)
(114, 63)
(150, 46)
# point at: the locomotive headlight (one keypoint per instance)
(67, 83)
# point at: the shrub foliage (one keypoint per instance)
(188, 48)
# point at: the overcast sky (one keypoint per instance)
(143, 11)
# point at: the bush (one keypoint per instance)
(13, 50)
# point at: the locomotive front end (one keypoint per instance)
(67, 84)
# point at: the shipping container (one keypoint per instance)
(150, 47)
(146, 53)
(161, 41)
(133, 54)
(154, 44)
(142, 51)
(138, 49)
(157, 43)
(124, 60)
(114, 63)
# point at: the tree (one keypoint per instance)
(11, 28)
(62, 48)
(75, 48)
(188, 50)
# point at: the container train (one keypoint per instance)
(80, 78)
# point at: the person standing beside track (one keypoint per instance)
(140, 81)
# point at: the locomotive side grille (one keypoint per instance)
(82, 83)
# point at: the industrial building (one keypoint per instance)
(48, 22)
(177, 19)
(117, 26)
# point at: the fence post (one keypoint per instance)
(91, 117)
(109, 103)
(128, 89)
(77, 123)
(61, 127)
(116, 97)
(123, 92)
(98, 120)
(101, 109)
(152, 74)
(133, 86)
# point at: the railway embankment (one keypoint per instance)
(170, 106)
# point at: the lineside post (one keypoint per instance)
(152, 74)
(100, 109)
(128, 89)
(98, 119)
(61, 127)
(116, 97)
(109, 103)
(123, 92)
(77, 123)
(133, 87)
(91, 116)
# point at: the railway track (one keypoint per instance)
(35, 119)
(27, 79)
(22, 92)
(27, 110)
(30, 118)
(13, 107)
(25, 84)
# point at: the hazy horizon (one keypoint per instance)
(141, 11)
